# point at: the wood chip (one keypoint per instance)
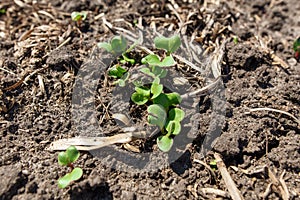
(232, 189)
(215, 192)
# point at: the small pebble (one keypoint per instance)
(25, 172)
(292, 61)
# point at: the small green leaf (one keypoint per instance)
(173, 127)
(69, 177)
(116, 71)
(159, 72)
(147, 71)
(77, 16)
(235, 40)
(2, 11)
(125, 77)
(143, 90)
(105, 46)
(72, 154)
(118, 44)
(174, 98)
(156, 89)
(157, 115)
(139, 99)
(64, 181)
(213, 164)
(169, 44)
(127, 59)
(296, 45)
(156, 80)
(164, 143)
(163, 100)
(167, 62)
(176, 114)
(122, 81)
(138, 83)
(76, 173)
(151, 59)
(63, 159)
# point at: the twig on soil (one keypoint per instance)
(233, 190)
(275, 58)
(93, 143)
(121, 117)
(26, 34)
(277, 183)
(41, 85)
(28, 76)
(285, 195)
(177, 15)
(10, 72)
(215, 191)
(17, 84)
(188, 63)
(62, 44)
(203, 90)
(267, 191)
(274, 110)
(207, 167)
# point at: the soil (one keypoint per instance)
(42, 50)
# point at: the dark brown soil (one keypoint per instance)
(250, 144)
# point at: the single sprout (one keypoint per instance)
(296, 47)
(116, 71)
(2, 10)
(78, 16)
(118, 45)
(213, 164)
(67, 158)
(235, 40)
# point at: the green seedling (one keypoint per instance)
(116, 46)
(161, 111)
(2, 11)
(67, 158)
(235, 40)
(119, 73)
(153, 60)
(116, 71)
(213, 164)
(122, 81)
(169, 44)
(78, 16)
(154, 71)
(296, 47)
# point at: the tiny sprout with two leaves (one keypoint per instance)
(118, 45)
(67, 158)
(78, 16)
